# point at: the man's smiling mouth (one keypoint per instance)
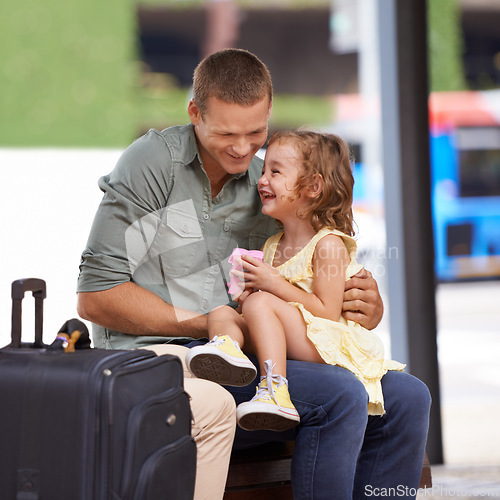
(237, 157)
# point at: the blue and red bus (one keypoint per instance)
(464, 131)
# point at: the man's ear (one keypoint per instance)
(316, 187)
(270, 109)
(193, 112)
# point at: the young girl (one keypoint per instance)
(292, 303)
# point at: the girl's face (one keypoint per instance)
(282, 167)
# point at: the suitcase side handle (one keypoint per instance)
(19, 288)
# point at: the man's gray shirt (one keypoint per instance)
(159, 227)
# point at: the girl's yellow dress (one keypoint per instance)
(343, 343)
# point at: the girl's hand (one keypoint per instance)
(259, 275)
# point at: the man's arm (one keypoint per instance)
(362, 300)
(131, 309)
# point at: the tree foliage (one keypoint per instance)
(446, 46)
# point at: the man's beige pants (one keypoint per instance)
(213, 427)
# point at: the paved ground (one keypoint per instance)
(469, 351)
(464, 481)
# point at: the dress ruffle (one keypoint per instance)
(348, 344)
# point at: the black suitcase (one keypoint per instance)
(91, 424)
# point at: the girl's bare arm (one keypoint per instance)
(330, 261)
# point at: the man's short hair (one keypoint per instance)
(231, 75)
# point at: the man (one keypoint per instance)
(174, 207)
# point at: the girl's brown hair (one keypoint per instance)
(329, 156)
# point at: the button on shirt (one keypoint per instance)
(158, 226)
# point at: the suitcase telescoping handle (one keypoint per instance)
(19, 288)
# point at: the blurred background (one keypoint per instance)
(81, 80)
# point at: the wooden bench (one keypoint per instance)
(263, 473)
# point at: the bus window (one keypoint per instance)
(479, 160)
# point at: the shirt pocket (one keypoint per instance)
(179, 241)
(172, 236)
(182, 224)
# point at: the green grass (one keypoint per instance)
(300, 110)
(159, 107)
(66, 73)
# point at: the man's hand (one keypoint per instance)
(362, 301)
(241, 296)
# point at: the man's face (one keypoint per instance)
(229, 135)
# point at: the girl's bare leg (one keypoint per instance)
(277, 331)
(224, 320)
(221, 360)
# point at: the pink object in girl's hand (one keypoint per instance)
(237, 284)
